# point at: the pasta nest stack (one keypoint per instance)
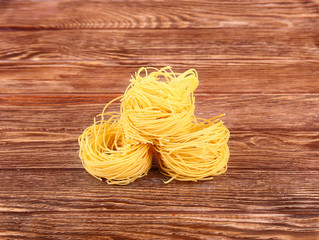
(156, 116)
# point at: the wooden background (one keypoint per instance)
(258, 61)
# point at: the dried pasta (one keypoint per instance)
(156, 117)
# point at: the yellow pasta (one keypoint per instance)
(106, 153)
(197, 155)
(156, 116)
(159, 104)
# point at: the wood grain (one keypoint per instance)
(235, 76)
(243, 112)
(258, 62)
(225, 193)
(99, 14)
(279, 203)
(121, 46)
(268, 194)
(103, 225)
(255, 150)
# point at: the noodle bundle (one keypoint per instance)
(152, 108)
(196, 155)
(156, 117)
(106, 153)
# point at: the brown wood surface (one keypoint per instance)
(258, 62)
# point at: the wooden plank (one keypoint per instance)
(221, 77)
(281, 205)
(101, 225)
(244, 112)
(157, 14)
(46, 127)
(145, 47)
(276, 191)
(55, 148)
